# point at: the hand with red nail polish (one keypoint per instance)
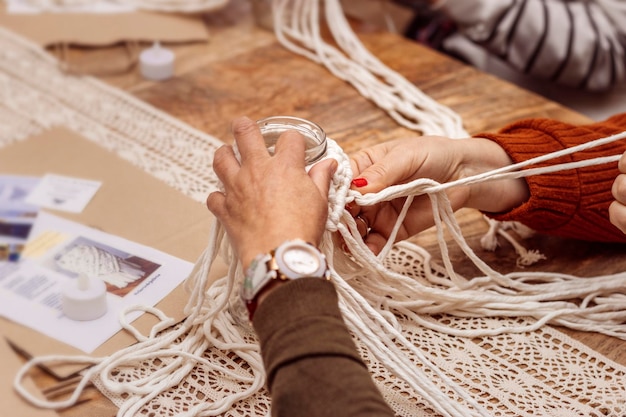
(441, 159)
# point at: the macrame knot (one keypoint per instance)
(339, 186)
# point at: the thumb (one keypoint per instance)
(377, 177)
(215, 202)
(322, 173)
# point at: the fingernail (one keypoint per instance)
(349, 207)
(359, 182)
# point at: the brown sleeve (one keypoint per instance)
(572, 203)
(313, 367)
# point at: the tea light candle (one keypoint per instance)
(84, 299)
(156, 63)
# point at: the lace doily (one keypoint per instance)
(543, 372)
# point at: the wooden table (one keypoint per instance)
(245, 71)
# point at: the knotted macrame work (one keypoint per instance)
(485, 356)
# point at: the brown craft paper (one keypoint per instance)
(130, 203)
(90, 29)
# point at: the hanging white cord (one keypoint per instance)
(425, 186)
(209, 323)
(297, 27)
(383, 339)
(556, 286)
(184, 344)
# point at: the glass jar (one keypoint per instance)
(273, 127)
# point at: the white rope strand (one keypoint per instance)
(427, 186)
(402, 100)
(547, 297)
(373, 291)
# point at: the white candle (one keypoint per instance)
(156, 63)
(85, 299)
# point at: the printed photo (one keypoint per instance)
(120, 271)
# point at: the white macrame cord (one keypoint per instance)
(210, 321)
(297, 27)
(380, 302)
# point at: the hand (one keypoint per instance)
(441, 159)
(269, 199)
(617, 209)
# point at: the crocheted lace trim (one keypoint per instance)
(542, 372)
(35, 95)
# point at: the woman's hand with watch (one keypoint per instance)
(268, 200)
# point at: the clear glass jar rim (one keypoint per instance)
(295, 123)
(311, 130)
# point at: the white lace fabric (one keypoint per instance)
(540, 372)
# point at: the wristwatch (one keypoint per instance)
(291, 260)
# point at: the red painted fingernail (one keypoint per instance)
(359, 182)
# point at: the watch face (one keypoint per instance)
(297, 259)
(301, 260)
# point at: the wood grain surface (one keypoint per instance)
(270, 80)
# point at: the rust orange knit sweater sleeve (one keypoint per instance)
(572, 203)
